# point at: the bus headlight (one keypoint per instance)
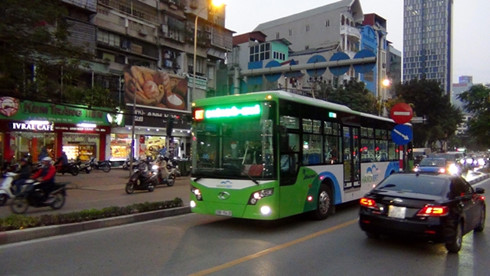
(256, 196)
(197, 193)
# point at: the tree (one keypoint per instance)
(354, 95)
(38, 62)
(477, 102)
(429, 101)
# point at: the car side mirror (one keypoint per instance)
(479, 190)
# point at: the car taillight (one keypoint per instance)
(433, 211)
(368, 202)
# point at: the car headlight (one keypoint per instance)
(453, 169)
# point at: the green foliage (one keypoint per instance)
(477, 102)
(428, 100)
(354, 95)
(15, 222)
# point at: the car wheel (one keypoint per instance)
(455, 241)
(481, 225)
(130, 188)
(3, 199)
(59, 201)
(19, 205)
(325, 205)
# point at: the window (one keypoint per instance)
(332, 143)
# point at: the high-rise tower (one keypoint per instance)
(427, 41)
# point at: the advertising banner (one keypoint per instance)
(156, 89)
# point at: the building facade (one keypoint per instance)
(427, 41)
(332, 32)
(144, 56)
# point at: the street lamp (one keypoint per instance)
(214, 3)
(385, 83)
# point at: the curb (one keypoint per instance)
(56, 230)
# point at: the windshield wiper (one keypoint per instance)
(253, 179)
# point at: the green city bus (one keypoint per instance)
(274, 154)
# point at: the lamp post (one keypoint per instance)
(214, 3)
(132, 137)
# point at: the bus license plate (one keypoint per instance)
(223, 213)
(397, 212)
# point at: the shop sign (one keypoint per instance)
(152, 117)
(31, 126)
(13, 109)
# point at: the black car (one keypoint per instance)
(435, 207)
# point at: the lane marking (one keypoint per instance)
(272, 249)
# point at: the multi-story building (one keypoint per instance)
(155, 39)
(316, 35)
(427, 41)
(144, 55)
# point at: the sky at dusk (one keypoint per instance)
(471, 23)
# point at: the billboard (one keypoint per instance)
(155, 88)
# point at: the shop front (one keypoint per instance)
(162, 117)
(38, 129)
(156, 132)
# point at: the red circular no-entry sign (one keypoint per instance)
(401, 113)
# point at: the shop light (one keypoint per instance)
(37, 122)
(87, 125)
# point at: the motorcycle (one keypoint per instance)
(127, 164)
(169, 180)
(86, 167)
(71, 168)
(142, 179)
(32, 195)
(105, 165)
(6, 187)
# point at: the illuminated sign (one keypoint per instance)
(332, 115)
(232, 112)
(31, 125)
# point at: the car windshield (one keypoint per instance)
(413, 183)
(239, 148)
(433, 162)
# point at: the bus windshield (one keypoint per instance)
(235, 148)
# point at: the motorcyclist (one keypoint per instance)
(162, 167)
(63, 159)
(46, 175)
(24, 173)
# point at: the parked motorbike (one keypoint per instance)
(104, 165)
(71, 168)
(85, 167)
(32, 195)
(127, 164)
(6, 187)
(142, 179)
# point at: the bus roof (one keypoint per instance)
(280, 94)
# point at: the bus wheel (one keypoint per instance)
(325, 205)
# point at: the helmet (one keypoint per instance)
(47, 159)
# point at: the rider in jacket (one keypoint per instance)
(45, 175)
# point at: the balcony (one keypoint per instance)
(350, 31)
(90, 5)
